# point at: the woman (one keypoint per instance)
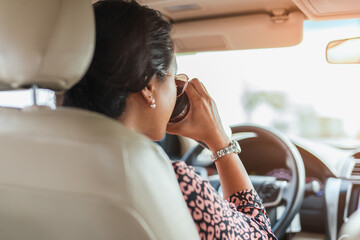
(132, 79)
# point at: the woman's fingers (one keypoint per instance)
(192, 92)
(202, 122)
(199, 87)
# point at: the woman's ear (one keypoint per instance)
(148, 92)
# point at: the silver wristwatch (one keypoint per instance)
(233, 148)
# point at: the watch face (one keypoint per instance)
(236, 145)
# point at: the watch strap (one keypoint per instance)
(233, 148)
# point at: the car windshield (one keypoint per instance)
(292, 89)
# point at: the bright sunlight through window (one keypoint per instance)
(292, 89)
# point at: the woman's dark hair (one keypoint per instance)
(133, 43)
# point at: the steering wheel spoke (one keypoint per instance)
(273, 193)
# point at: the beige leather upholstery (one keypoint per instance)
(350, 230)
(71, 174)
(54, 42)
(67, 173)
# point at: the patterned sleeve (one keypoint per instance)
(249, 202)
(242, 216)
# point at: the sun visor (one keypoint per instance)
(240, 32)
(329, 9)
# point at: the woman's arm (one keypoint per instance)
(233, 176)
(203, 123)
(242, 216)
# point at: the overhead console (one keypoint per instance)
(329, 9)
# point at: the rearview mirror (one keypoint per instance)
(343, 51)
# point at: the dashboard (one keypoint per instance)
(339, 170)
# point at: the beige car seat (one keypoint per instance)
(351, 229)
(68, 173)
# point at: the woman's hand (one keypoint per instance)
(202, 122)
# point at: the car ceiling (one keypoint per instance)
(213, 25)
(182, 10)
(178, 11)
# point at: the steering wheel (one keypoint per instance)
(273, 192)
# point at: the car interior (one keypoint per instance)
(67, 173)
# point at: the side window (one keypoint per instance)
(24, 98)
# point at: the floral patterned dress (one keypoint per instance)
(242, 216)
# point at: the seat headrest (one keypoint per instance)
(48, 43)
